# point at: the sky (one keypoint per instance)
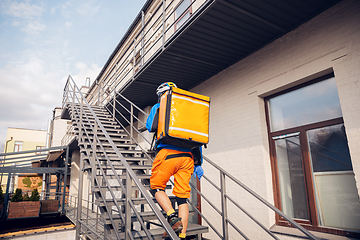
(42, 42)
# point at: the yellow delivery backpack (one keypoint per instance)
(183, 118)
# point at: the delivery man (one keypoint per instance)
(172, 161)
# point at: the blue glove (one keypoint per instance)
(198, 172)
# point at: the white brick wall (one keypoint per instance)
(238, 133)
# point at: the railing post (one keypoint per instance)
(99, 86)
(224, 206)
(163, 32)
(65, 178)
(114, 106)
(131, 122)
(134, 55)
(142, 38)
(79, 202)
(127, 206)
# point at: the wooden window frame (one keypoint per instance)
(189, 9)
(313, 223)
(15, 145)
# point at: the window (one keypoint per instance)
(311, 162)
(18, 146)
(38, 148)
(182, 13)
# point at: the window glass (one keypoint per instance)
(18, 146)
(314, 103)
(335, 188)
(182, 8)
(291, 178)
(182, 20)
(329, 150)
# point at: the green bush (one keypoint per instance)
(17, 196)
(26, 197)
(34, 195)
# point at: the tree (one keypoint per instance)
(17, 196)
(34, 195)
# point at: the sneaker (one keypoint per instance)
(176, 225)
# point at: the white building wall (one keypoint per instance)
(238, 132)
(60, 127)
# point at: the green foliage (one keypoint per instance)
(17, 196)
(26, 197)
(1, 195)
(27, 182)
(34, 195)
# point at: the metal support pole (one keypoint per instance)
(114, 105)
(163, 32)
(142, 38)
(127, 207)
(79, 202)
(6, 200)
(99, 86)
(224, 206)
(134, 55)
(65, 179)
(131, 122)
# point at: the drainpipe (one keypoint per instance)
(3, 160)
(48, 144)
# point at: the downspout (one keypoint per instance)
(3, 160)
(48, 144)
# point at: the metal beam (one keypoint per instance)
(15, 169)
(251, 15)
(193, 59)
(32, 151)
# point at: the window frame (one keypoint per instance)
(176, 20)
(17, 145)
(313, 223)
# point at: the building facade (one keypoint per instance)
(284, 117)
(21, 139)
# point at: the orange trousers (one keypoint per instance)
(180, 167)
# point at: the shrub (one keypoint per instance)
(17, 196)
(26, 197)
(34, 195)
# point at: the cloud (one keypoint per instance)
(30, 90)
(21, 10)
(88, 8)
(33, 28)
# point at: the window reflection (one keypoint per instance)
(329, 150)
(314, 103)
(291, 177)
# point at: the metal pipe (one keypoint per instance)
(224, 207)
(65, 179)
(79, 202)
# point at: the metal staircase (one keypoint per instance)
(119, 170)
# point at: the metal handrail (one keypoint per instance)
(225, 196)
(144, 42)
(130, 172)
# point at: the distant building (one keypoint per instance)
(21, 139)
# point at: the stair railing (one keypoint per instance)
(223, 176)
(72, 92)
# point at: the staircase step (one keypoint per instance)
(112, 176)
(193, 229)
(136, 201)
